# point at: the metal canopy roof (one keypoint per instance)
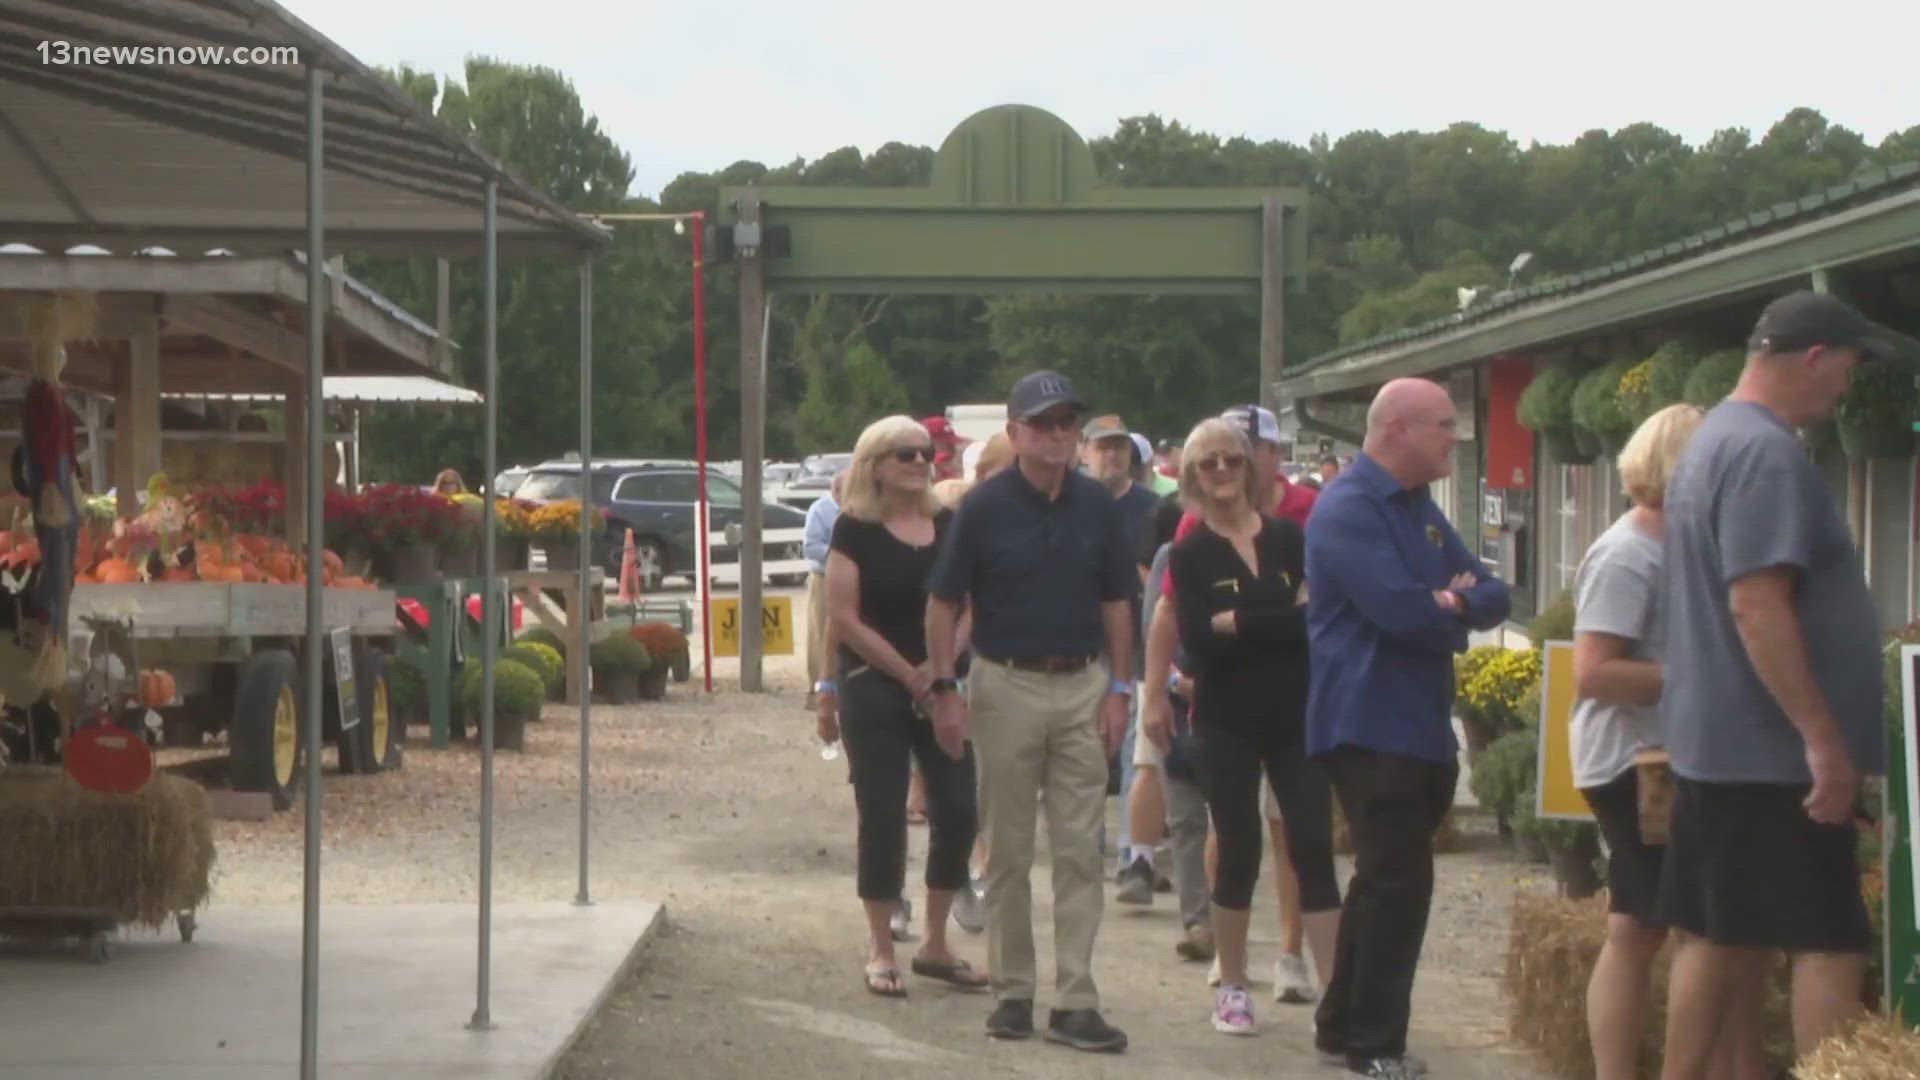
(198, 154)
(365, 390)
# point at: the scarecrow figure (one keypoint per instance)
(44, 473)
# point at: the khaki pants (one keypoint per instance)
(816, 628)
(1038, 735)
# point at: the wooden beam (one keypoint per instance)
(131, 274)
(116, 318)
(227, 321)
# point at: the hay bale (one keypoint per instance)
(1550, 957)
(1878, 1048)
(141, 857)
(1446, 839)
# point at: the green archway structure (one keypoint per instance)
(1014, 205)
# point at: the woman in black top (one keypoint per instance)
(882, 551)
(1237, 584)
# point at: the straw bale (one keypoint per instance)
(141, 857)
(1550, 958)
(1878, 1048)
(1445, 841)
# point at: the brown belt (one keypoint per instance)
(1050, 665)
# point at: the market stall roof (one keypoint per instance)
(1874, 217)
(227, 323)
(367, 390)
(183, 145)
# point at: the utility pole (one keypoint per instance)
(747, 237)
(1273, 297)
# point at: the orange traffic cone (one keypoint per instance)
(629, 573)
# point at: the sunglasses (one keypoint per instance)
(1053, 422)
(1218, 462)
(907, 455)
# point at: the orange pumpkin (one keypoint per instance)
(116, 572)
(156, 688)
(332, 561)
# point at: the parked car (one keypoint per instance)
(508, 482)
(659, 501)
(815, 479)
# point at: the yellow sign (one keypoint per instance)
(776, 626)
(1557, 797)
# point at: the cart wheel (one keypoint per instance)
(187, 924)
(382, 731)
(268, 731)
(99, 947)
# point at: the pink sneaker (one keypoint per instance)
(1233, 1011)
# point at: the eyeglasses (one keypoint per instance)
(1219, 462)
(1052, 422)
(907, 455)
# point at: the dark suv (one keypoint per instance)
(659, 501)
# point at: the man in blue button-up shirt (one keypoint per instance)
(813, 544)
(1392, 593)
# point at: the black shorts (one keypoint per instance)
(1746, 868)
(1633, 866)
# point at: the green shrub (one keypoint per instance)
(1672, 363)
(518, 690)
(543, 659)
(1547, 402)
(620, 655)
(1554, 623)
(406, 686)
(1714, 377)
(1503, 772)
(540, 635)
(1596, 402)
(1876, 412)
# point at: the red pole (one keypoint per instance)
(700, 436)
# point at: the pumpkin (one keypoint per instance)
(116, 572)
(156, 688)
(332, 561)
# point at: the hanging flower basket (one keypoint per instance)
(1875, 416)
(1567, 445)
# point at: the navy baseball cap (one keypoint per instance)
(1040, 391)
(1801, 320)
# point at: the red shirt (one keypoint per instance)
(1293, 502)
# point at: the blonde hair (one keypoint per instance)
(861, 500)
(1647, 461)
(950, 491)
(459, 486)
(1207, 433)
(997, 454)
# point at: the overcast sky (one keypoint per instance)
(686, 88)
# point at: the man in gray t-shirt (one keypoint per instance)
(1772, 697)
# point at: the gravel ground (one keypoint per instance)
(722, 808)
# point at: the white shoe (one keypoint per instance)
(1291, 983)
(1213, 973)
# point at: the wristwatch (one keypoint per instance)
(943, 686)
(824, 686)
(1121, 687)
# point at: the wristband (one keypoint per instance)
(824, 686)
(1121, 687)
(1173, 681)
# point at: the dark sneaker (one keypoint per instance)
(1162, 883)
(1011, 1019)
(1136, 884)
(1404, 1067)
(1085, 1029)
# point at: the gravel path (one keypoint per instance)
(722, 808)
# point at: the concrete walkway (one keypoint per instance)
(397, 991)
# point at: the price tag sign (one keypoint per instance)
(341, 639)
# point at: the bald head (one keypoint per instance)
(1406, 399)
(1411, 430)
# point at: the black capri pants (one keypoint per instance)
(1231, 761)
(881, 729)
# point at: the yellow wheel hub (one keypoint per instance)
(286, 737)
(379, 720)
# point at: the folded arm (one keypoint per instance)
(1355, 557)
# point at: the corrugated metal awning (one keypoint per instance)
(367, 390)
(179, 149)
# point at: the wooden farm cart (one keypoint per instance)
(233, 650)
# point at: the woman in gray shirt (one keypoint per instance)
(1618, 679)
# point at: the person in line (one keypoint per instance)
(1237, 579)
(449, 484)
(1040, 551)
(1292, 982)
(1772, 694)
(1617, 645)
(1392, 594)
(883, 548)
(815, 541)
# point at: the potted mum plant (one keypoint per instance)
(618, 663)
(668, 648)
(1596, 405)
(1546, 409)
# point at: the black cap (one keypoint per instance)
(1800, 320)
(1040, 391)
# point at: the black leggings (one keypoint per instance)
(880, 729)
(1230, 765)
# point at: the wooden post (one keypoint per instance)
(1273, 298)
(753, 418)
(136, 413)
(443, 316)
(293, 471)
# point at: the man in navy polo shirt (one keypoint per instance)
(1392, 593)
(1043, 554)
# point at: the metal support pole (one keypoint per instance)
(1273, 298)
(588, 521)
(700, 438)
(489, 600)
(316, 650)
(753, 415)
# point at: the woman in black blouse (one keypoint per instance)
(1237, 581)
(884, 541)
